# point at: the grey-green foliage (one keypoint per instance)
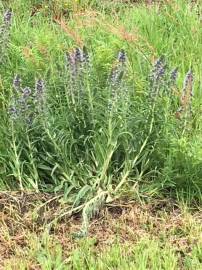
(72, 135)
(93, 133)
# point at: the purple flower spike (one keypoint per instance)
(158, 63)
(7, 17)
(122, 56)
(189, 79)
(160, 73)
(173, 76)
(118, 69)
(13, 112)
(71, 65)
(40, 86)
(17, 82)
(5, 34)
(78, 55)
(26, 92)
(156, 76)
(40, 96)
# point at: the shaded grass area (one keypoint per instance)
(124, 235)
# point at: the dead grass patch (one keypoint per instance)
(24, 217)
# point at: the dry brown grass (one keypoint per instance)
(24, 217)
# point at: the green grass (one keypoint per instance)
(75, 144)
(147, 254)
